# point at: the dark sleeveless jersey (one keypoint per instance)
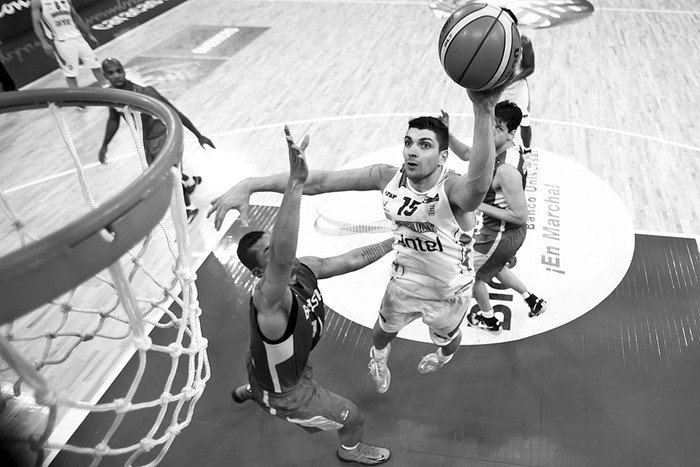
(152, 127)
(512, 156)
(278, 365)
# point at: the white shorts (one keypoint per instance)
(443, 317)
(72, 53)
(519, 93)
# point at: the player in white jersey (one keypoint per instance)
(431, 209)
(519, 89)
(61, 29)
(432, 246)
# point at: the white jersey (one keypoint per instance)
(57, 20)
(433, 253)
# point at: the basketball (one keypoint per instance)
(479, 46)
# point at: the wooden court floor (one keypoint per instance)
(615, 93)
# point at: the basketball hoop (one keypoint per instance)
(101, 277)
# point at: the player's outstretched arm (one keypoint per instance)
(201, 139)
(272, 297)
(110, 131)
(186, 122)
(351, 261)
(374, 177)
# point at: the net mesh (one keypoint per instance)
(59, 359)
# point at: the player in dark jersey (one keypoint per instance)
(287, 316)
(504, 213)
(153, 129)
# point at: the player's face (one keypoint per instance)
(262, 253)
(421, 154)
(501, 135)
(114, 73)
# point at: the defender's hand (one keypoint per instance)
(298, 170)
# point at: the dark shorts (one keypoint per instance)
(308, 405)
(152, 146)
(493, 250)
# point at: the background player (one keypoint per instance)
(504, 218)
(153, 129)
(61, 29)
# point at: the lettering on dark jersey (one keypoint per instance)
(312, 302)
(310, 306)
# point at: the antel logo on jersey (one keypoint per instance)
(532, 14)
(419, 244)
(579, 245)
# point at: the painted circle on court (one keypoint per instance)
(579, 245)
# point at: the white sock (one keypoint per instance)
(379, 353)
(349, 449)
(487, 313)
(525, 294)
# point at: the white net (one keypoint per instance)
(59, 359)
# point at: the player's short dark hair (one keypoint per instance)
(435, 125)
(245, 245)
(509, 113)
(109, 60)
